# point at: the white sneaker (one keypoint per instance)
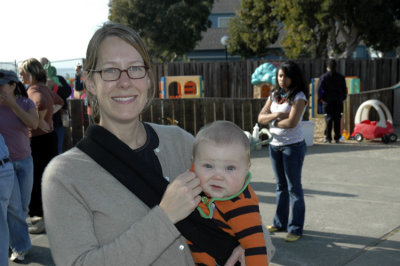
(37, 228)
(18, 256)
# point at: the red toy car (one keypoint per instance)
(364, 128)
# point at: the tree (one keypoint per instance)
(170, 28)
(318, 28)
(253, 29)
(305, 33)
(375, 22)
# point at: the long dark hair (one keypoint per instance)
(20, 90)
(293, 71)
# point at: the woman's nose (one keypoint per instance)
(124, 80)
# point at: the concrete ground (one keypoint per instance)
(352, 194)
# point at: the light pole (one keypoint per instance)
(224, 42)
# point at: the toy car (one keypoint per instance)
(364, 128)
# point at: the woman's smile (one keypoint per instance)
(124, 99)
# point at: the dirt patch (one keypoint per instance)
(319, 131)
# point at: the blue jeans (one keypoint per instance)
(19, 204)
(287, 162)
(60, 136)
(6, 187)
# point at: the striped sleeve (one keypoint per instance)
(243, 217)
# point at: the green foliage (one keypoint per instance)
(306, 32)
(170, 28)
(315, 28)
(375, 21)
(253, 29)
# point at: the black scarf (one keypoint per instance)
(149, 186)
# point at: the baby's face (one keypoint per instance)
(221, 168)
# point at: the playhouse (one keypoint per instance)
(181, 87)
(263, 80)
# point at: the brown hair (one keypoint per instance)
(35, 69)
(130, 36)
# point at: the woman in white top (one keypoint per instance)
(284, 110)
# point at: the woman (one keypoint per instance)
(17, 114)
(43, 139)
(6, 184)
(284, 110)
(124, 195)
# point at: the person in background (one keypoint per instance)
(80, 91)
(284, 110)
(59, 85)
(332, 92)
(221, 160)
(79, 84)
(17, 114)
(125, 192)
(43, 139)
(6, 187)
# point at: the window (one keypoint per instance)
(223, 22)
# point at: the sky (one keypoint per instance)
(56, 29)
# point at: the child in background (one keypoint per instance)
(221, 160)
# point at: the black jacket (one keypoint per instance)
(332, 87)
(64, 91)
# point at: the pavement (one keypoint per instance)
(352, 195)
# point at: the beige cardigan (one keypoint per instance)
(92, 219)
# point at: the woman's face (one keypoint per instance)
(122, 100)
(25, 77)
(283, 80)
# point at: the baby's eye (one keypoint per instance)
(231, 168)
(207, 165)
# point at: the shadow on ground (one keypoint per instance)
(330, 249)
(37, 256)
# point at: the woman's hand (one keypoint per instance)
(237, 255)
(281, 115)
(181, 197)
(43, 125)
(7, 100)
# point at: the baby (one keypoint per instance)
(221, 160)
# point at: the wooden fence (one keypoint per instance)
(192, 114)
(386, 96)
(232, 79)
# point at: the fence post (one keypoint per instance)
(76, 109)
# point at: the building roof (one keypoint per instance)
(212, 39)
(225, 6)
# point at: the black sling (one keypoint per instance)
(149, 186)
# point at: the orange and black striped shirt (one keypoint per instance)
(240, 217)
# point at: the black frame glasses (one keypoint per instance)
(106, 75)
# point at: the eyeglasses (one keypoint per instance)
(113, 73)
